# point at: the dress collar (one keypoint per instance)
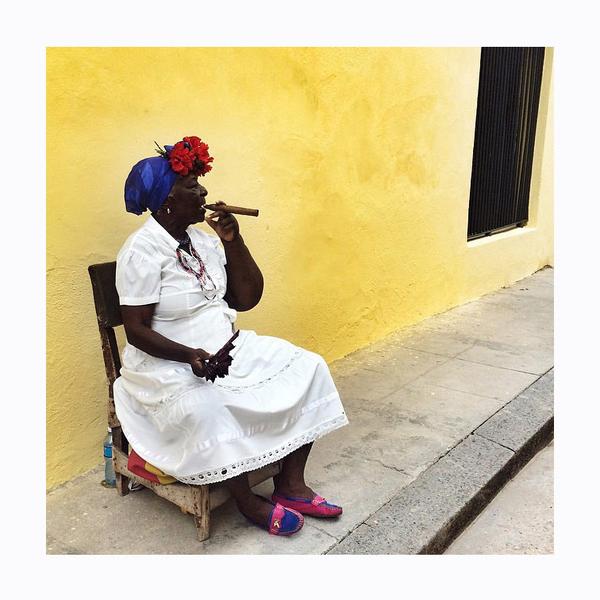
(157, 229)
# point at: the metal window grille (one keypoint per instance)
(507, 107)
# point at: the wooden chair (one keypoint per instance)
(197, 500)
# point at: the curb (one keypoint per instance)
(426, 516)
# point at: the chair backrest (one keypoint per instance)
(108, 312)
(106, 297)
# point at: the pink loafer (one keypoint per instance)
(282, 521)
(317, 507)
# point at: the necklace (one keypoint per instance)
(204, 279)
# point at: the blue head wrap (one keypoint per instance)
(149, 184)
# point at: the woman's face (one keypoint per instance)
(187, 198)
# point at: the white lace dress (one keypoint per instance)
(276, 398)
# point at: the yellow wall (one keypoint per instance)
(358, 158)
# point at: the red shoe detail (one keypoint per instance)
(276, 521)
(317, 507)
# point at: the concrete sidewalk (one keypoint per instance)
(413, 400)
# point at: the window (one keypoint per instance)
(507, 107)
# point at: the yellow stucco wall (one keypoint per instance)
(358, 158)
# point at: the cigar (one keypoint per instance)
(236, 210)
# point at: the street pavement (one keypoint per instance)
(414, 401)
(520, 519)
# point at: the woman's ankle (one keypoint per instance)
(256, 508)
(297, 489)
(253, 500)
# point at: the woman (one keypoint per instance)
(180, 289)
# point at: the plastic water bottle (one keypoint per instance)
(109, 471)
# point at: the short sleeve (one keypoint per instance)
(137, 279)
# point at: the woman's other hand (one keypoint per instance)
(196, 361)
(227, 227)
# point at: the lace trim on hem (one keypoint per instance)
(239, 389)
(268, 457)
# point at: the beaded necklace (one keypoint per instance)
(203, 276)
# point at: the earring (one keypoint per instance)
(168, 210)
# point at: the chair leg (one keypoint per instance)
(201, 500)
(122, 484)
(120, 442)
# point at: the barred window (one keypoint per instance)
(507, 108)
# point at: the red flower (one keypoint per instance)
(193, 141)
(181, 159)
(189, 156)
(200, 153)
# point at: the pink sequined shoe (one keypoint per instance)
(317, 507)
(282, 521)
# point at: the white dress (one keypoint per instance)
(276, 397)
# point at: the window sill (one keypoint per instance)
(503, 235)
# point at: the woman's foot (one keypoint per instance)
(256, 509)
(299, 497)
(315, 507)
(273, 517)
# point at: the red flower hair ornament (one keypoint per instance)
(188, 156)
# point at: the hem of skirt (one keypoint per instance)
(272, 455)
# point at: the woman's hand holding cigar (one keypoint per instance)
(223, 221)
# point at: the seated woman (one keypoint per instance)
(180, 289)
